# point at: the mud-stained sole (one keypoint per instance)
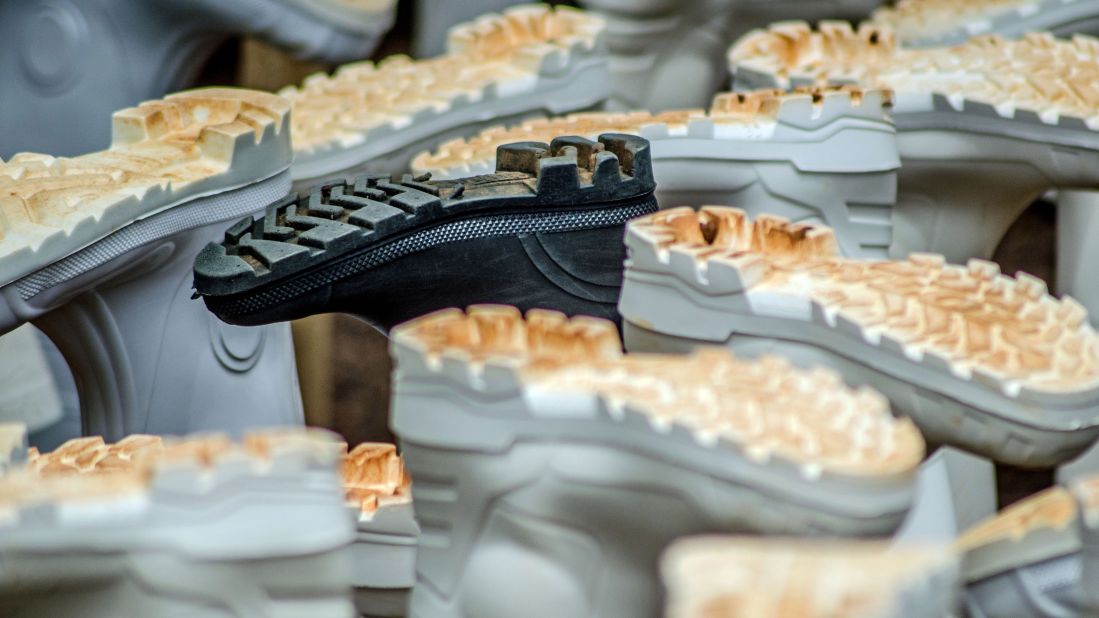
(921, 20)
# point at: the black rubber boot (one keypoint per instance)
(545, 231)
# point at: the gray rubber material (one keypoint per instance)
(1049, 589)
(670, 54)
(841, 173)
(13, 446)
(224, 542)
(955, 491)
(1077, 251)
(28, 389)
(67, 64)
(665, 54)
(384, 561)
(947, 409)
(388, 149)
(68, 427)
(1062, 17)
(967, 173)
(1089, 535)
(520, 498)
(145, 356)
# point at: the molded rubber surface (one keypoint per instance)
(67, 64)
(829, 155)
(369, 117)
(669, 53)
(923, 23)
(145, 356)
(678, 294)
(1027, 560)
(544, 230)
(199, 527)
(541, 500)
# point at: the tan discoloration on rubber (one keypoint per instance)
(1086, 491)
(334, 111)
(1010, 330)
(760, 108)
(374, 477)
(766, 407)
(162, 145)
(1038, 72)
(730, 577)
(914, 20)
(1052, 509)
(91, 468)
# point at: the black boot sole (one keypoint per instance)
(544, 231)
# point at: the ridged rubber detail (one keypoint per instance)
(338, 230)
(922, 20)
(528, 440)
(1037, 79)
(179, 526)
(970, 321)
(709, 576)
(495, 56)
(720, 401)
(1037, 529)
(927, 23)
(374, 477)
(162, 153)
(734, 116)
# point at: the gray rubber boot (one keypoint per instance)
(434, 18)
(66, 65)
(825, 157)
(934, 24)
(187, 528)
(698, 278)
(969, 165)
(531, 60)
(13, 446)
(669, 54)
(109, 279)
(523, 465)
(1077, 253)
